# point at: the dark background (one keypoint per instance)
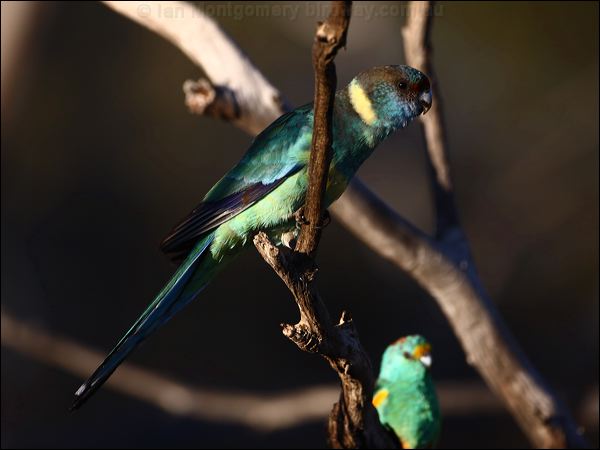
(100, 158)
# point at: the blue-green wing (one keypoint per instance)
(278, 152)
(275, 151)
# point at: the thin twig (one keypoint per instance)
(353, 423)
(329, 38)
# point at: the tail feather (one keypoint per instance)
(167, 303)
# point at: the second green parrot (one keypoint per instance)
(405, 396)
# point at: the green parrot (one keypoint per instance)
(405, 396)
(267, 186)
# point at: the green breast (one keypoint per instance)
(411, 409)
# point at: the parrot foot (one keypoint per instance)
(289, 239)
(302, 220)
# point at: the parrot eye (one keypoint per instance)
(402, 85)
(407, 355)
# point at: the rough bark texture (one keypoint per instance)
(235, 89)
(353, 422)
(329, 38)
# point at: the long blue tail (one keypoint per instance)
(167, 303)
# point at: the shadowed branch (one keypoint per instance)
(353, 423)
(259, 412)
(486, 339)
(443, 265)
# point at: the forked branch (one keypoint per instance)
(442, 264)
(353, 423)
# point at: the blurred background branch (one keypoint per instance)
(455, 284)
(260, 412)
(19, 19)
(246, 99)
(443, 266)
(510, 208)
(263, 413)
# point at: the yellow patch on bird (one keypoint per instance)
(405, 444)
(421, 350)
(361, 103)
(379, 398)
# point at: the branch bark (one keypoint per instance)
(353, 422)
(452, 279)
(442, 265)
(329, 38)
(260, 412)
(235, 90)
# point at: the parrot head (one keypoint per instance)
(410, 352)
(390, 96)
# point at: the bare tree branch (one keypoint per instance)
(353, 423)
(259, 412)
(235, 90)
(263, 413)
(329, 38)
(454, 282)
(443, 266)
(21, 21)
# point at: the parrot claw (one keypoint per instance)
(289, 239)
(302, 220)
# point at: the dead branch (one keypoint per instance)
(329, 38)
(353, 423)
(443, 266)
(449, 274)
(263, 413)
(235, 89)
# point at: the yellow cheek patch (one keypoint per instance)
(421, 350)
(380, 397)
(361, 103)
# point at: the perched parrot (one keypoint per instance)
(267, 186)
(405, 396)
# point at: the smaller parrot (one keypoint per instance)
(405, 396)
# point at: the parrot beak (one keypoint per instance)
(425, 99)
(423, 353)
